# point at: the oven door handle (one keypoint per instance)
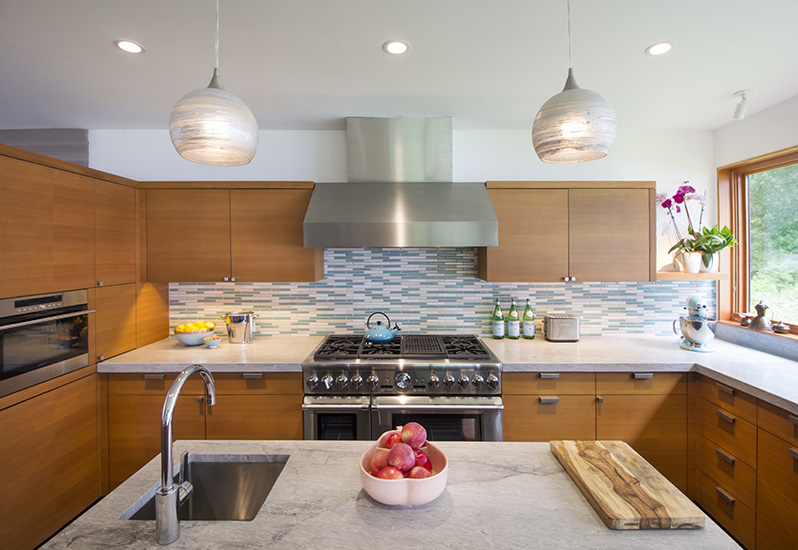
(335, 406)
(463, 408)
(46, 319)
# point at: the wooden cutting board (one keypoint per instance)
(624, 489)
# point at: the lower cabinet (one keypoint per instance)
(51, 462)
(248, 406)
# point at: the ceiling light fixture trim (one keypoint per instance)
(396, 47)
(129, 46)
(211, 125)
(659, 48)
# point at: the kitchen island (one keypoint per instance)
(498, 495)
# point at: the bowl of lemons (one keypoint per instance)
(192, 334)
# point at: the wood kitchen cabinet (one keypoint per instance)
(115, 233)
(51, 464)
(239, 235)
(571, 231)
(114, 321)
(248, 406)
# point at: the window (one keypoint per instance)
(758, 199)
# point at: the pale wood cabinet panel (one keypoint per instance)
(536, 383)
(530, 418)
(609, 235)
(285, 383)
(266, 236)
(188, 235)
(736, 402)
(50, 460)
(734, 475)
(47, 223)
(654, 425)
(115, 326)
(730, 432)
(255, 417)
(779, 422)
(777, 494)
(736, 517)
(625, 383)
(115, 232)
(152, 313)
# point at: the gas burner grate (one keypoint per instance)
(415, 345)
(392, 348)
(465, 347)
(411, 346)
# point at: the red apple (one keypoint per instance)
(401, 456)
(419, 473)
(378, 462)
(393, 439)
(414, 435)
(390, 472)
(422, 459)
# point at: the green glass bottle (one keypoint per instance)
(529, 322)
(498, 321)
(513, 322)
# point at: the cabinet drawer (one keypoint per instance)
(776, 493)
(151, 384)
(735, 401)
(779, 422)
(641, 383)
(727, 470)
(548, 383)
(538, 418)
(283, 383)
(733, 434)
(726, 509)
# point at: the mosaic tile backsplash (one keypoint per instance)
(429, 290)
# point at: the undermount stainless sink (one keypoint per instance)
(226, 488)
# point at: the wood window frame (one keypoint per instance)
(733, 295)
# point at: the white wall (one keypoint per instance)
(767, 131)
(668, 157)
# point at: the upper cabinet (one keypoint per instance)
(571, 231)
(243, 235)
(115, 232)
(47, 223)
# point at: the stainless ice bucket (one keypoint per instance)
(240, 326)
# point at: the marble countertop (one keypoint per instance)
(498, 495)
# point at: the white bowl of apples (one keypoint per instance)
(403, 468)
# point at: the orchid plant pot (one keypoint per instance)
(692, 262)
(713, 264)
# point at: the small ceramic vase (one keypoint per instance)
(692, 262)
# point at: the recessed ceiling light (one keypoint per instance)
(396, 47)
(129, 46)
(659, 48)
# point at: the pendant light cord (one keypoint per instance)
(570, 55)
(217, 34)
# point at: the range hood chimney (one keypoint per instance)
(400, 192)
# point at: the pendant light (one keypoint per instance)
(575, 125)
(211, 125)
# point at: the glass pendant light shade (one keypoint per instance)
(575, 125)
(212, 126)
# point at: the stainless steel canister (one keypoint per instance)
(240, 326)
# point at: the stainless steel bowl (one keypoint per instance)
(696, 333)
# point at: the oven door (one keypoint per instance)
(336, 417)
(459, 418)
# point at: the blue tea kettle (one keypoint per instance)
(379, 333)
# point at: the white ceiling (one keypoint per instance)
(308, 64)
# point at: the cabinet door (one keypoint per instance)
(115, 233)
(654, 425)
(266, 236)
(255, 417)
(188, 235)
(533, 236)
(47, 224)
(540, 418)
(776, 494)
(115, 320)
(611, 234)
(50, 457)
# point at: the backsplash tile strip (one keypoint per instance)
(429, 290)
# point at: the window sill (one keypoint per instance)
(783, 345)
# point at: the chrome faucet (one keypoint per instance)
(169, 496)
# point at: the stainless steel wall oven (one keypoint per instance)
(42, 337)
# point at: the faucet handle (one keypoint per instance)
(185, 488)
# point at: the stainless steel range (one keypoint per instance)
(355, 389)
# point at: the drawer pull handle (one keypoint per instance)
(793, 453)
(725, 456)
(549, 400)
(154, 376)
(724, 388)
(643, 375)
(549, 375)
(792, 418)
(725, 416)
(724, 495)
(599, 399)
(252, 375)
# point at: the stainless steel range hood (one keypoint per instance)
(400, 192)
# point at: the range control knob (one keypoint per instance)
(312, 382)
(402, 380)
(448, 381)
(433, 381)
(327, 380)
(463, 381)
(341, 381)
(373, 381)
(493, 381)
(356, 382)
(477, 381)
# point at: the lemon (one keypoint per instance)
(180, 328)
(210, 325)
